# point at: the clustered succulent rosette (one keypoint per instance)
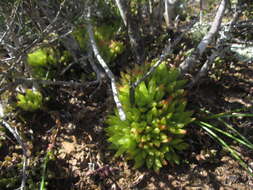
(104, 35)
(30, 101)
(154, 129)
(41, 61)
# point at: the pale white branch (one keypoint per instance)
(214, 28)
(190, 62)
(122, 11)
(133, 31)
(107, 71)
(204, 69)
(15, 133)
(224, 34)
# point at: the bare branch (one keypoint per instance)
(133, 31)
(190, 62)
(24, 175)
(107, 70)
(204, 69)
(122, 10)
(10, 23)
(214, 28)
(166, 52)
(31, 81)
(219, 49)
(169, 12)
(15, 133)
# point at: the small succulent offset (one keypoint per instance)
(40, 61)
(153, 132)
(104, 35)
(30, 101)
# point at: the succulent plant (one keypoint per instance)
(104, 36)
(30, 101)
(153, 132)
(40, 61)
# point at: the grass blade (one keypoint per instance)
(44, 168)
(249, 145)
(231, 114)
(236, 132)
(227, 147)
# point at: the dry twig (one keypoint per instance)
(166, 52)
(16, 135)
(190, 62)
(217, 52)
(133, 31)
(107, 70)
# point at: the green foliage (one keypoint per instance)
(104, 36)
(81, 35)
(134, 4)
(8, 183)
(40, 61)
(2, 136)
(44, 167)
(248, 12)
(30, 101)
(224, 129)
(10, 180)
(153, 132)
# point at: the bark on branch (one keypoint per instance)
(18, 138)
(107, 70)
(219, 49)
(166, 52)
(190, 62)
(133, 31)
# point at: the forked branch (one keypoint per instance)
(190, 62)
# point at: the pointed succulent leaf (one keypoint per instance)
(149, 116)
(148, 129)
(140, 101)
(115, 120)
(171, 107)
(182, 106)
(171, 87)
(143, 89)
(177, 131)
(178, 93)
(183, 117)
(175, 158)
(149, 161)
(180, 84)
(169, 116)
(158, 163)
(154, 112)
(176, 141)
(139, 160)
(21, 97)
(151, 88)
(120, 151)
(159, 93)
(181, 146)
(173, 75)
(165, 148)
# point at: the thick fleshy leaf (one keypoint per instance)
(181, 146)
(154, 126)
(139, 160)
(149, 161)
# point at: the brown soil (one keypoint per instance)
(80, 144)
